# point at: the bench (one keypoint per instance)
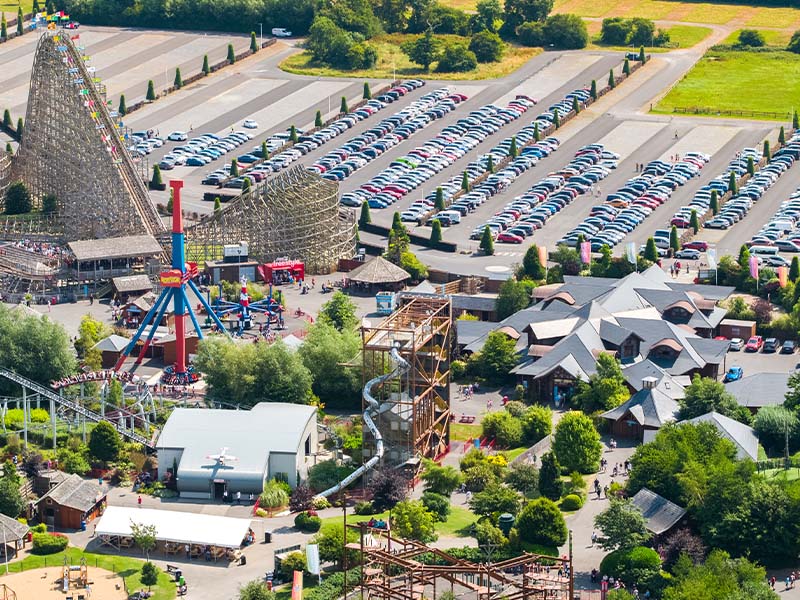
(466, 419)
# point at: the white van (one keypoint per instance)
(281, 32)
(453, 215)
(764, 250)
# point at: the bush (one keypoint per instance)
(307, 522)
(320, 503)
(457, 58)
(639, 564)
(794, 43)
(296, 561)
(751, 37)
(437, 504)
(541, 522)
(566, 31)
(487, 46)
(531, 34)
(571, 502)
(504, 428)
(364, 508)
(458, 369)
(49, 543)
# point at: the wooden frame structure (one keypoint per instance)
(295, 214)
(391, 571)
(71, 149)
(414, 418)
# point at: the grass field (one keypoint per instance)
(772, 37)
(681, 36)
(686, 12)
(392, 62)
(461, 432)
(751, 81)
(11, 7)
(129, 568)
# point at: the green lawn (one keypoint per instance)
(129, 568)
(739, 81)
(772, 37)
(782, 474)
(514, 453)
(461, 432)
(393, 62)
(681, 36)
(11, 7)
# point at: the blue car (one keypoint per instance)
(735, 373)
(194, 162)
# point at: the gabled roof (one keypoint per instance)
(614, 334)
(710, 292)
(113, 343)
(132, 283)
(669, 385)
(659, 513)
(470, 331)
(761, 389)
(742, 436)
(121, 247)
(11, 529)
(649, 407)
(377, 271)
(75, 492)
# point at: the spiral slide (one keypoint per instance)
(401, 368)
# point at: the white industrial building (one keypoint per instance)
(218, 451)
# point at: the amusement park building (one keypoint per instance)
(218, 451)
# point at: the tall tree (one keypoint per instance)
(512, 297)
(593, 90)
(550, 484)
(327, 353)
(436, 233)
(487, 241)
(178, 82)
(339, 312)
(253, 42)
(367, 93)
(694, 222)
(423, 51)
(623, 526)
(231, 54)
(705, 395)
(318, 119)
(205, 69)
(531, 265)
(144, 537)
(151, 91)
(364, 218)
(388, 487)
(576, 443)
(606, 389)
(122, 109)
(105, 442)
(18, 199)
(438, 203)
(343, 106)
(497, 358)
(674, 242)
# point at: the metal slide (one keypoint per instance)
(372, 409)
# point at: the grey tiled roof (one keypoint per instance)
(659, 513)
(760, 389)
(650, 408)
(742, 436)
(75, 492)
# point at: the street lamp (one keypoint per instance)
(260, 34)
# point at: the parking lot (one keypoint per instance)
(457, 138)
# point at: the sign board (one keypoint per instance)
(171, 278)
(240, 249)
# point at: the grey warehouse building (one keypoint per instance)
(219, 451)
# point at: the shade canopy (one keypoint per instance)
(378, 271)
(173, 526)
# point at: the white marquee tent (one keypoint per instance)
(174, 526)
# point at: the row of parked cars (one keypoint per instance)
(202, 149)
(306, 142)
(340, 163)
(532, 209)
(624, 210)
(414, 168)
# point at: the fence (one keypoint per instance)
(708, 110)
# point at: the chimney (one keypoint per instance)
(649, 383)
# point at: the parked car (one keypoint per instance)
(737, 344)
(696, 245)
(177, 136)
(281, 32)
(688, 254)
(789, 346)
(735, 373)
(754, 344)
(771, 345)
(250, 124)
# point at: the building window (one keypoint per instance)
(308, 445)
(282, 477)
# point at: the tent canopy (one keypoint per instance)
(174, 526)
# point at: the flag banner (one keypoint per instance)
(543, 255)
(297, 586)
(312, 559)
(753, 267)
(783, 276)
(630, 252)
(711, 254)
(586, 252)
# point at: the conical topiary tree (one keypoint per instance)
(751, 166)
(364, 218)
(733, 186)
(794, 269)
(264, 150)
(217, 205)
(694, 222)
(246, 185)
(3, 26)
(151, 91)
(714, 203)
(122, 109)
(487, 241)
(674, 243)
(490, 163)
(36, 8)
(436, 232)
(206, 69)
(795, 120)
(20, 29)
(438, 203)
(626, 67)
(318, 119)
(19, 127)
(556, 119)
(156, 179)
(642, 56)
(253, 42)
(367, 95)
(576, 106)
(234, 168)
(6, 118)
(767, 154)
(343, 106)
(650, 250)
(293, 134)
(537, 135)
(612, 83)
(9, 149)
(782, 136)
(465, 182)
(170, 202)
(593, 90)
(513, 151)
(231, 54)
(178, 83)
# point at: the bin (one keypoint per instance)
(267, 537)
(242, 560)
(505, 523)
(178, 574)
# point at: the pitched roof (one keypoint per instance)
(659, 513)
(11, 529)
(378, 270)
(75, 492)
(742, 436)
(132, 283)
(650, 408)
(121, 247)
(761, 389)
(113, 343)
(634, 375)
(470, 331)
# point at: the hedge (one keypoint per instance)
(307, 522)
(49, 543)
(571, 502)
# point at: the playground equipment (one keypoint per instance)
(74, 576)
(385, 303)
(245, 308)
(174, 283)
(6, 593)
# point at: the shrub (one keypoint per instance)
(566, 31)
(49, 543)
(531, 33)
(437, 504)
(571, 502)
(364, 508)
(541, 522)
(260, 512)
(457, 58)
(794, 43)
(639, 564)
(458, 369)
(487, 46)
(296, 561)
(307, 522)
(320, 503)
(751, 37)
(504, 428)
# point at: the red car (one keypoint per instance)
(509, 238)
(754, 344)
(696, 245)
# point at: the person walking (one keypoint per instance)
(139, 501)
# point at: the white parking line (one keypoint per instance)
(549, 79)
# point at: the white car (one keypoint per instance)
(737, 344)
(250, 124)
(281, 32)
(177, 136)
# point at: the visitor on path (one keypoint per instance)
(594, 541)
(139, 501)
